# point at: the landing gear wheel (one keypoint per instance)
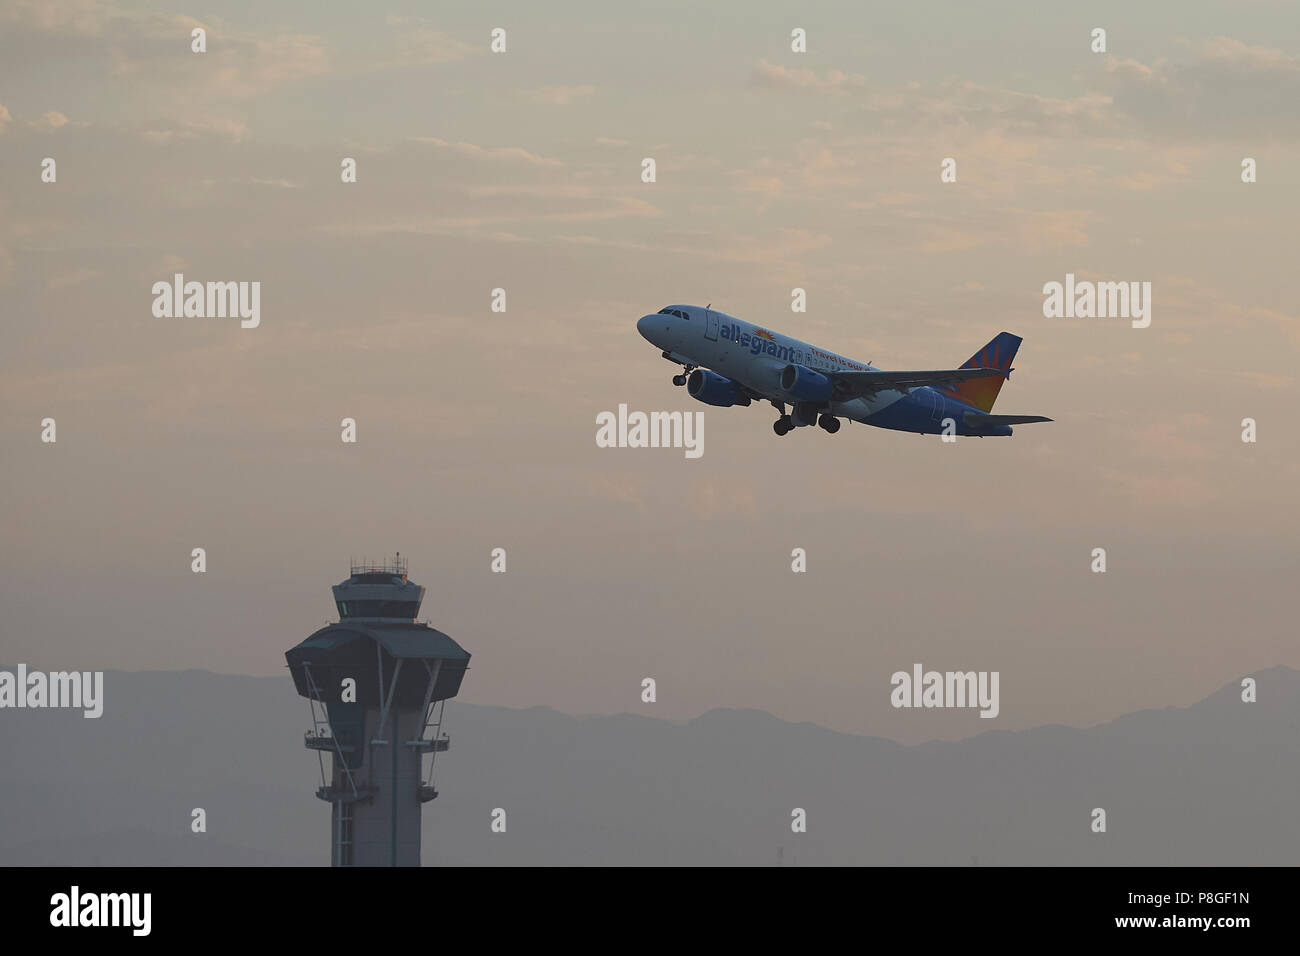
(782, 425)
(679, 379)
(830, 423)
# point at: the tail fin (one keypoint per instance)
(983, 392)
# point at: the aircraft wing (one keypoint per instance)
(857, 384)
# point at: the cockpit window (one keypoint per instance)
(665, 311)
(677, 312)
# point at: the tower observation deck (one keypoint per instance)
(377, 682)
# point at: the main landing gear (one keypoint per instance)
(784, 424)
(803, 416)
(681, 379)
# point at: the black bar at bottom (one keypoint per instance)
(614, 907)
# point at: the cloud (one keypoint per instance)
(411, 46)
(495, 193)
(145, 56)
(955, 107)
(490, 153)
(627, 488)
(5, 118)
(1052, 228)
(238, 66)
(1173, 440)
(775, 76)
(594, 207)
(84, 17)
(276, 183)
(813, 167)
(778, 248)
(1226, 89)
(51, 120)
(559, 95)
(75, 277)
(198, 127)
(169, 263)
(249, 67)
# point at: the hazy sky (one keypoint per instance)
(476, 429)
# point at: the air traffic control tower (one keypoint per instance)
(377, 682)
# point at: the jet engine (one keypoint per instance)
(714, 389)
(805, 384)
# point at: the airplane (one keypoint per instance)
(730, 362)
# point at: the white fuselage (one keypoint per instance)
(752, 355)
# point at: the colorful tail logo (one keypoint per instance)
(981, 393)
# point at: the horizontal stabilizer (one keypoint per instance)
(978, 420)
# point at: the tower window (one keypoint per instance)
(402, 609)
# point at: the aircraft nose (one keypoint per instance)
(646, 326)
